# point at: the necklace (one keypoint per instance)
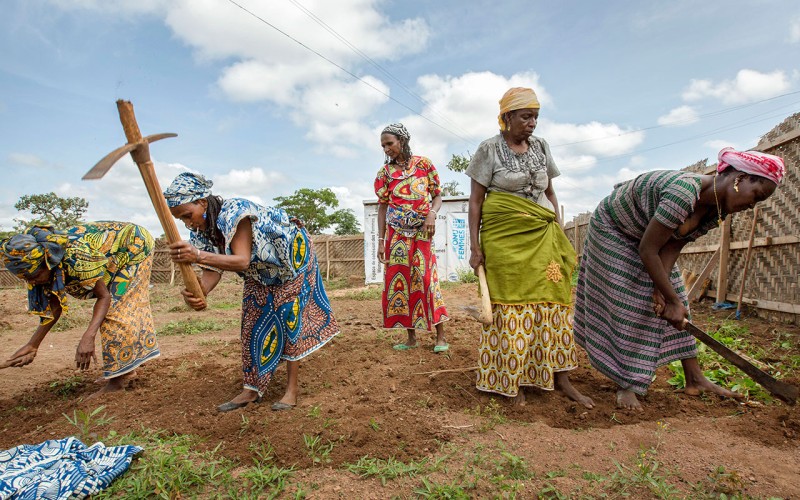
(719, 212)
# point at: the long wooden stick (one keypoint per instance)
(486, 300)
(449, 370)
(694, 292)
(141, 156)
(747, 262)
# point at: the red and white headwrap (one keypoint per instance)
(753, 162)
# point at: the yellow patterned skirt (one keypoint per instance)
(525, 345)
(127, 333)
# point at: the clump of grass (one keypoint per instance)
(318, 451)
(87, 423)
(190, 327)
(336, 283)
(466, 275)
(387, 469)
(225, 305)
(449, 491)
(170, 467)
(371, 293)
(264, 477)
(492, 413)
(67, 387)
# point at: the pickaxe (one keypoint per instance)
(484, 316)
(139, 148)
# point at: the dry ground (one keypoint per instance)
(368, 400)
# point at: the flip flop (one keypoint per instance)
(403, 347)
(278, 406)
(441, 348)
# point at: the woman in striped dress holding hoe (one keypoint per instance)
(631, 307)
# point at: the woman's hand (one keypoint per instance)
(475, 258)
(676, 314)
(195, 303)
(382, 254)
(23, 356)
(430, 224)
(297, 222)
(84, 354)
(183, 252)
(658, 302)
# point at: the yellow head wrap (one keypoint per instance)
(516, 98)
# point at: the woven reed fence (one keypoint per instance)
(338, 256)
(772, 275)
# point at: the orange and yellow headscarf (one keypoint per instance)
(516, 98)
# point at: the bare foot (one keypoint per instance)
(112, 385)
(698, 387)
(626, 400)
(697, 383)
(519, 399)
(565, 386)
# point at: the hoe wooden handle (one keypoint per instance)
(486, 301)
(141, 155)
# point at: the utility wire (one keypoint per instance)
(371, 61)
(346, 70)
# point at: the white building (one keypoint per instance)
(451, 240)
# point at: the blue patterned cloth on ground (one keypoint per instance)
(63, 468)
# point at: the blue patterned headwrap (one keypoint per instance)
(24, 254)
(186, 188)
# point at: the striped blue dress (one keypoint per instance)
(614, 318)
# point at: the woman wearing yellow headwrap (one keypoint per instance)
(107, 261)
(528, 259)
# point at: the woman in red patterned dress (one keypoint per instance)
(409, 197)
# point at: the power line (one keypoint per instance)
(699, 117)
(371, 61)
(342, 68)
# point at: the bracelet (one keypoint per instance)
(198, 254)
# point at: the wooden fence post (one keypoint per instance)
(724, 254)
(328, 260)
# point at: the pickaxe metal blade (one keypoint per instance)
(104, 165)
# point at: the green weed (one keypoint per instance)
(170, 467)
(466, 275)
(371, 293)
(374, 425)
(67, 387)
(314, 412)
(225, 305)
(317, 450)
(437, 491)
(264, 477)
(87, 423)
(190, 327)
(492, 413)
(387, 469)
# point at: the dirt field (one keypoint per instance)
(365, 399)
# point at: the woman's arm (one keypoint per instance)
(208, 281)
(382, 207)
(84, 354)
(241, 251)
(550, 194)
(657, 238)
(25, 354)
(430, 219)
(477, 193)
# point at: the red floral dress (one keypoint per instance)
(411, 296)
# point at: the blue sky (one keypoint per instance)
(626, 86)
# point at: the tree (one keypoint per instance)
(312, 206)
(346, 222)
(458, 163)
(50, 209)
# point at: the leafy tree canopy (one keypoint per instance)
(317, 209)
(50, 209)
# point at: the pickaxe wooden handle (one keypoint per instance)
(781, 390)
(139, 148)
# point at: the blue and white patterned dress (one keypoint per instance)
(286, 314)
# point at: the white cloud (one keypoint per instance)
(717, 144)
(748, 86)
(794, 31)
(255, 184)
(263, 65)
(27, 160)
(682, 115)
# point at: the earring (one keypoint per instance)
(204, 214)
(736, 184)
